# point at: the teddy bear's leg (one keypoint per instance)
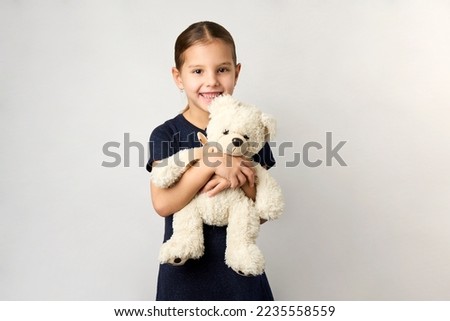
(242, 253)
(187, 239)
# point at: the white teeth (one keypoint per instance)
(210, 96)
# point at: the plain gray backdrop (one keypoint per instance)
(75, 75)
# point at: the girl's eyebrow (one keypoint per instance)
(201, 66)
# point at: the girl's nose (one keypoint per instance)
(212, 80)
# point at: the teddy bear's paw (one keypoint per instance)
(177, 261)
(177, 254)
(246, 261)
(250, 270)
(243, 274)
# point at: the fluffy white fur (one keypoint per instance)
(230, 121)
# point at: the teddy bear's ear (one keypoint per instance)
(270, 125)
(213, 107)
(220, 102)
(202, 138)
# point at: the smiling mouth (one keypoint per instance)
(210, 95)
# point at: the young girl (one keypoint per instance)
(205, 67)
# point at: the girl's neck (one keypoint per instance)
(197, 117)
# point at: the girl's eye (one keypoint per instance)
(246, 137)
(222, 70)
(226, 131)
(197, 71)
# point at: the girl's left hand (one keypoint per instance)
(215, 185)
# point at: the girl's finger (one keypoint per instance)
(223, 185)
(234, 182)
(209, 186)
(250, 175)
(241, 178)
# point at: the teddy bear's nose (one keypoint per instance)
(237, 142)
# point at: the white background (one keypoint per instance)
(75, 75)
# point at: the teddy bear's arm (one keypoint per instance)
(167, 201)
(168, 171)
(269, 198)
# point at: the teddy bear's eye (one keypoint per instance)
(246, 137)
(226, 131)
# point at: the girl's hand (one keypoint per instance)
(236, 170)
(215, 185)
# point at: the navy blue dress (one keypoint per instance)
(207, 278)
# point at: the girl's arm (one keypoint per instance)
(167, 201)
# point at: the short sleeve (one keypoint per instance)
(160, 145)
(265, 157)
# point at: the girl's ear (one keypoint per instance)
(177, 78)
(237, 71)
(270, 126)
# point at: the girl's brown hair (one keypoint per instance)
(201, 32)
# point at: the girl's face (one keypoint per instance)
(207, 72)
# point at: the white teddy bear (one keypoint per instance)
(239, 130)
